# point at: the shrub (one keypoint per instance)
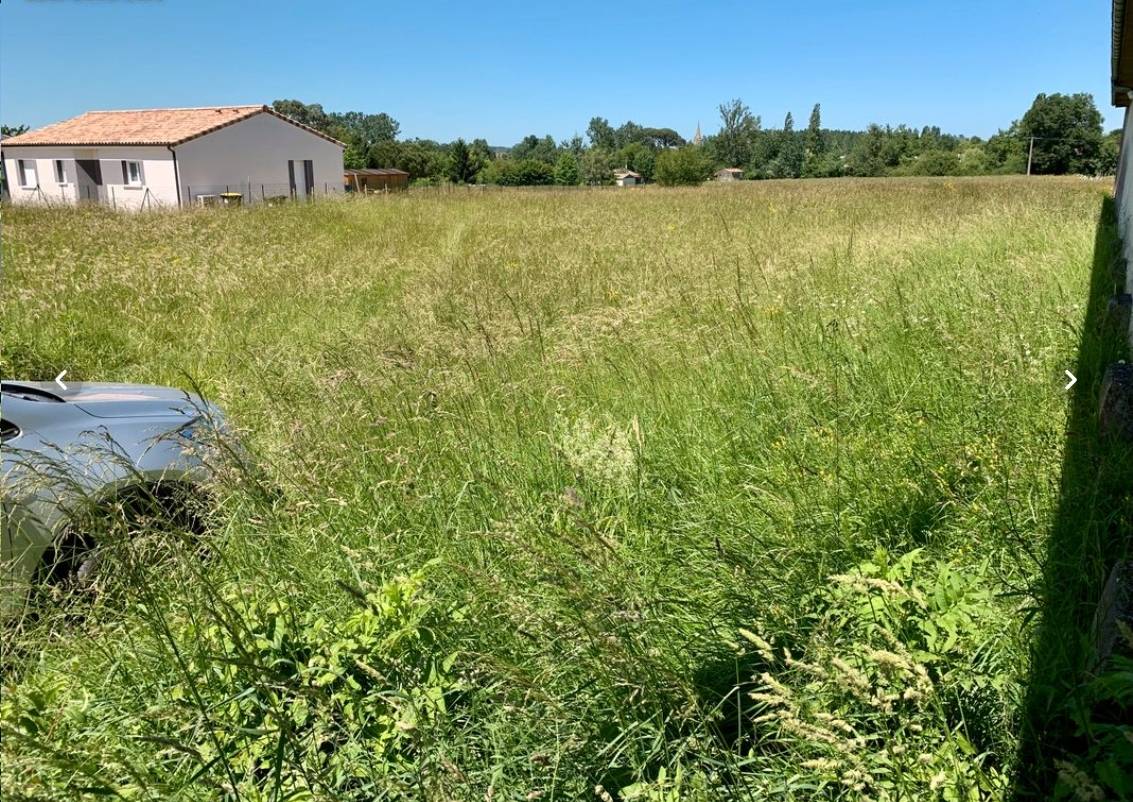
(512, 173)
(273, 701)
(895, 695)
(685, 166)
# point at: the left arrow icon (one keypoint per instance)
(59, 379)
(1072, 378)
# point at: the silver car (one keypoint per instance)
(70, 449)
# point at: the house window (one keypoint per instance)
(28, 178)
(60, 172)
(132, 173)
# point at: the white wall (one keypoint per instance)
(255, 152)
(158, 181)
(1123, 192)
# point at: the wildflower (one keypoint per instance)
(762, 646)
(810, 668)
(937, 781)
(602, 793)
(774, 684)
(572, 498)
(851, 677)
(821, 764)
(890, 660)
(602, 455)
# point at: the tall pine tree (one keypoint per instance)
(815, 144)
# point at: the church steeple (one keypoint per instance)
(698, 138)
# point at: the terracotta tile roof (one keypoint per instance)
(144, 126)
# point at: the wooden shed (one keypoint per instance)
(376, 179)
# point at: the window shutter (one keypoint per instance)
(291, 175)
(125, 175)
(309, 174)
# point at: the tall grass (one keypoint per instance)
(554, 485)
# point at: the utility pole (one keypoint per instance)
(1030, 155)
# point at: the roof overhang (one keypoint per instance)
(252, 111)
(1121, 74)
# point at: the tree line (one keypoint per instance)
(1058, 134)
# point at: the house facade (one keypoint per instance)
(730, 174)
(153, 158)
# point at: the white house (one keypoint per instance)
(626, 178)
(729, 174)
(171, 157)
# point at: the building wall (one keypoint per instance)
(251, 156)
(1123, 193)
(159, 186)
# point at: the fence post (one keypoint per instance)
(263, 195)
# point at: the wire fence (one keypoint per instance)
(251, 193)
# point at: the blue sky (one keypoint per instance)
(503, 70)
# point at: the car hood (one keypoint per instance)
(112, 400)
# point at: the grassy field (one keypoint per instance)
(726, 492)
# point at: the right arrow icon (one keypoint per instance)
(1072, 378)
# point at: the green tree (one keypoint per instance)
(532, 147)
(637, 157)
(814, 142)
(661, 138)
(681, 167)
(1110, 152)
(518, 173)
(868, 157)
(601, 134)
(308, 114)
(366, 129)
(597, 166)
(461, 169)
(574, 146)
(1007, 151)
(480, 153)
(1067, 131)
(789, 123)
(12, 130)
(566, 170)
(737, 130)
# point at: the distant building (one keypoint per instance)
(729, 174)
(698, 138)
(375, 179)
(171, 157)
(627, 178)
